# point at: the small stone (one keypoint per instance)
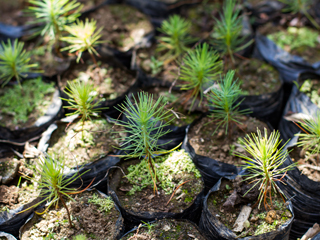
(225, 148)
(288, 214)
(145, 65)
(246, 224)
(202, 140)
(220, 134)
(151, 197)
(253, 84)
(166, 228)
(254, 218)
(271, 215)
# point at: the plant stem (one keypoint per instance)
(65, 205)
(94, 59)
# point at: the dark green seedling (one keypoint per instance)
(53, 184)
(223, 100)
(176, 39)
(144, 127)
(83, 37)
(15, 62)
(199, 68)
(263, 164)
(82, 100)
(52, 16)
(300, 6)
(227, 31)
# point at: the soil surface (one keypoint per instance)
(109, 81)
(220, 204)
(219, 146)
(7, 118)
(146, 200)
(256, 76)
(166, 229)
(308, 164)
(79, 147)
(9, 167)
(123, 26)
(88, 219)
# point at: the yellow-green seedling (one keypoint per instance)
(224, 104)
(309, 138)
(177, 38)
(52, 16)
(227, 31)
(265, 164)
(300, 6)
(84, 36)
(49, 175)
(82, 100)
(15, 62)
(200, 67)
(144, 127)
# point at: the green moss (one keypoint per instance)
(21, 102)
(167, 167)
(104, 204)
(295, 38)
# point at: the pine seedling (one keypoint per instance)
(223, 100)
(144, 127)
(82, 100)
(300, 6)
(199, 68)
(310, 138)
(14, 62)
(53, 184)
(264, 164)
(177, 38)
(52, 16)
(83, 37)
(227, 31)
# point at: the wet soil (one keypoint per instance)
(109, 81)
(219, 146)
(261, 220)
(123, 26)
(147, 200)
(308, 164)
(166, 229)
(79, 147)
(9, 167)
(88, 219)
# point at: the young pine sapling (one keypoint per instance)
(14, 62)
(176, 39)
(83, 37)
(227, 31)
(265, 164)
(224, 102)
(52, 16)
(53, 183)
(82, 101)
(200, 67)
(309, 139)
(144, 126)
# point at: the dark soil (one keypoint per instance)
(149, 201)
(166, 229)
(109, 81)
(9, 167)
(123, 26)
(256, 76)
(11, 12)
(270, 219)
(88, 220)
(99, 138)
(219, 146)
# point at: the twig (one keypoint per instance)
(176, 190)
